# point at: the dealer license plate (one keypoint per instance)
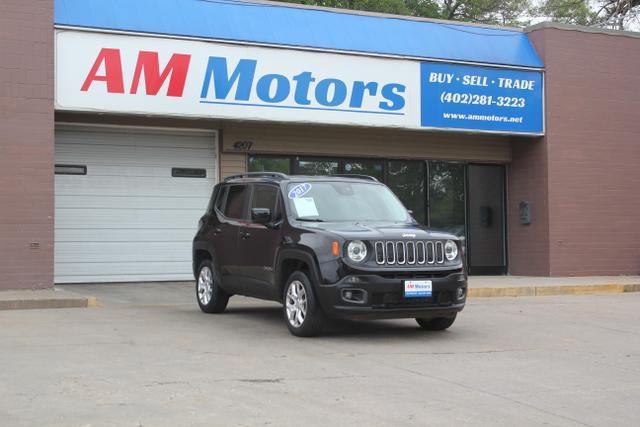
(417, 288)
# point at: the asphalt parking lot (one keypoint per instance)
(148, 356)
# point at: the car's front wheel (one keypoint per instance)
(211, 298)
(437, 324)
(302, 313)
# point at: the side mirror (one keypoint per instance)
(261, 215)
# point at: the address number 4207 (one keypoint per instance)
(242, 145)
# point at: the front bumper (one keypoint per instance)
(383, 297)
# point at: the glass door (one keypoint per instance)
(486, 221)
(447, 197)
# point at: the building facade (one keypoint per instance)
(119, 117)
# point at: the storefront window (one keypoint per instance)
(447, 208)
(317, 167)
(406, 180)
(269, 164)
(365, 167)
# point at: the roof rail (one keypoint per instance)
(354, 175)
(277, 175)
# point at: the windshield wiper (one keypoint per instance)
(310, 219)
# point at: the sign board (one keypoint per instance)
(481, 98)
(146, 75)
(133, 74)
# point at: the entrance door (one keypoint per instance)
(485, 227)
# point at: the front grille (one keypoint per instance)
(416, 252)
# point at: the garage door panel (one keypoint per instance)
(109, 156)
(128, 219)
(111, 252)
(74, 135)
(131, 186)
(184, 219)
(129, 202)
(101, 170)
(122, 272)
(148, 235)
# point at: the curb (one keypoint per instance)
(534, 291)
(48, 303)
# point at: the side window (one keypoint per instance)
(234, 207)
(221, 196)
(265, 196)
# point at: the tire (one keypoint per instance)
(437, 324)
(302, 313)
(210, 297)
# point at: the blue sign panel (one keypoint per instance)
(481, 98)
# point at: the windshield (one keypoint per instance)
(344, 202)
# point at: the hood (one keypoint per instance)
(379, 231)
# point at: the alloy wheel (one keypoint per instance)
(296, 303)
(205, 286)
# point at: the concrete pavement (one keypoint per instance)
(148, 356)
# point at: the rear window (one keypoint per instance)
(234, 207)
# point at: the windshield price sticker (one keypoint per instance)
(305, 206)
(299, 190)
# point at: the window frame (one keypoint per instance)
(81, 169)
(199, 173)
(220, 196)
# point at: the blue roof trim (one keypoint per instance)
(291, 26)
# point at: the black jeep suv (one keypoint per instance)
(325, 246)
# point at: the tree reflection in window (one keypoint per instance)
(406, 180)
(317, 167)
(447, 197)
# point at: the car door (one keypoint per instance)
(232, 214)
(258, 243)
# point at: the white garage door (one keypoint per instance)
(132, 217)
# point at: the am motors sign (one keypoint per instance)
(144, 75)
(120, 73)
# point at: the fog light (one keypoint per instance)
(460, 293)
(354, 295)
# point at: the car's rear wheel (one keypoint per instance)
(302, 313)
(437, 324)
(211, 298)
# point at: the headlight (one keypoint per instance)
(451, 250)
(357, 251)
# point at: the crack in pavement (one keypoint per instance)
(489, 393)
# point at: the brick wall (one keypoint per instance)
(591, 153)
(26, 144)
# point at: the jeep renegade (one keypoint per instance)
(325, 246)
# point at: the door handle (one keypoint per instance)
(245, 234)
